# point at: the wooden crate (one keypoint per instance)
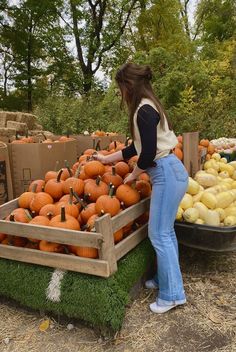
(109, 253)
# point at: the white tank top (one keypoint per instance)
(166, 139)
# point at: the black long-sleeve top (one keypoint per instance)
(147, 121)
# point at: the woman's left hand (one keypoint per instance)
(130, 178)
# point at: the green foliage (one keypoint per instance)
(97, 301)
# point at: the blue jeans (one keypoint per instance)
(169, 183)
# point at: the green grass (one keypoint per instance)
(97, 301)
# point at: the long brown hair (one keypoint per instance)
(134, 83)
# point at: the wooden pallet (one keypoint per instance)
(102, 239)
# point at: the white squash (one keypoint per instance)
(199, 222)
(202, 209)
(226, 167)
(223, 160)
(230, 211)
(193, 186)
(212, 218)
(186, 202)
(233, 185)
(216, 156)
(191, 215)
(206, 180)
(179, 214)
(212, 171)
(221, 212)
(197, 197)
(230, 221)
(233, 163)
(234, 175)
(211, 164)
(224, 199)
(209, 200)
(224, 174)
(213, 190)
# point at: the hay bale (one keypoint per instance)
(29, 119)
(7, 116)
(20, 127)
(7, 132)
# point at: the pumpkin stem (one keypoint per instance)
(86, 197)
(33, 214)
(42, 189)
(63, 214)
(94, 143)
(56, 166)
(113, 171)
(122, 205)
(85, 227)
(59, 175)
(112, 190)
(98, 146)
(79, 200)
(102, 212)
(68, 167)
(126, 142)
(98, 180)
(71, 196)
(12, 217)
(34, 187)
(50, 215)
(115, 144)
(77, 172)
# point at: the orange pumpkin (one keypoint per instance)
(118, 235)
(132, 162)
(74, 182)
(40, 221)
(144, 188)
(95, 188)
(48, 208)
(87, 212)
(121, 168)
(108, 203)
(94, 168)
(112, 177)
(143, 176)
(178, 152)
(20, 215)
(26, 197)
(204, 142)
(51, 247)
(70, 208)
(87, 252)
(40, 199)
(211, 149)
(65, 221)
(40, 185)
(54, 187)
(128, 195)
(52, 174)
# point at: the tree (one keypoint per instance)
(97, 27)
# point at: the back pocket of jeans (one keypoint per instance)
(179, 171)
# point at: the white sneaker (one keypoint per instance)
(157, 308)
(150, 284)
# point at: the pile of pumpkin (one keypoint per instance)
(211, 195)
(25, 140)
(205, 148)
(73, 198)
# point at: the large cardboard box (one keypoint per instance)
(6, 192)
(31, 161)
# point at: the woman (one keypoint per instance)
(153, 141)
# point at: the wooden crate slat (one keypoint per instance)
(52, 234)
(129, 214)
(107, 251)
(56, 260)
(7, 208)
(131, 241)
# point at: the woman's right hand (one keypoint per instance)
(100, 157)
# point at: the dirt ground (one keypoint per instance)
(206, 323)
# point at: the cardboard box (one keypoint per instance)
(31, 161)
(6, 192)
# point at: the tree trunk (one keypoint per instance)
(29, 71)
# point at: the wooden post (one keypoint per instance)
(107, 252)
(190, 149)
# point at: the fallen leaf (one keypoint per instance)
(44, 325)
(214, 318)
